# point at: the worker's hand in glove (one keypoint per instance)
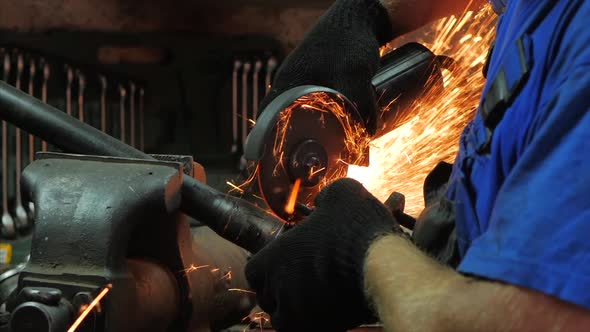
(341, 52)
(311, 278)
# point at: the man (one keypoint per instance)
(517, 193)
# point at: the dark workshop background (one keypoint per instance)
(185, 57)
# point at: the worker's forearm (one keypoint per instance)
(412, 292)
(408, 15)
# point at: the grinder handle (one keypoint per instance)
(405, 74)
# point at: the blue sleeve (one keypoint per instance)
(539, 231)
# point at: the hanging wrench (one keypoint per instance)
(22, 219)
(103, 103)
(81, 86)
(141, 137)
(255, 85)
(123, 94)
(46, 73)
(8, 228)
(245, 73)
(32, 72)
(237, 66)
(271, 65)
(132, 114)
(70, 80)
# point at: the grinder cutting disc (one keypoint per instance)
(297, 146)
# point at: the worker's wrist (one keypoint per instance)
(372, 264)
(396, 270)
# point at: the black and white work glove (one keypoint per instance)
(311, 278)
(341, 52)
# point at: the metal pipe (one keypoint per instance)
(236, 220)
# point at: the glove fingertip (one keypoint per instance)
(396, 202)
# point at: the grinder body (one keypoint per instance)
(405, 74)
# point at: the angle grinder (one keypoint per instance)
(307, 136)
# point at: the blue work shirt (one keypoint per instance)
(523, 216)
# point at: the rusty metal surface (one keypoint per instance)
(225, 270)
(157, 295)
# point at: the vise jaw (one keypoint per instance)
(104, 222)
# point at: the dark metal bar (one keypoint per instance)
(236, 220)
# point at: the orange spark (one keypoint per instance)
(428, 131)
(234, 187)
(241, 290)
(193, 268)
(215, 270)
(260, 317)
(244, 184)
(227, 276)
(313, 172)
(290, 207)
(89, 308)
(252, 122)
